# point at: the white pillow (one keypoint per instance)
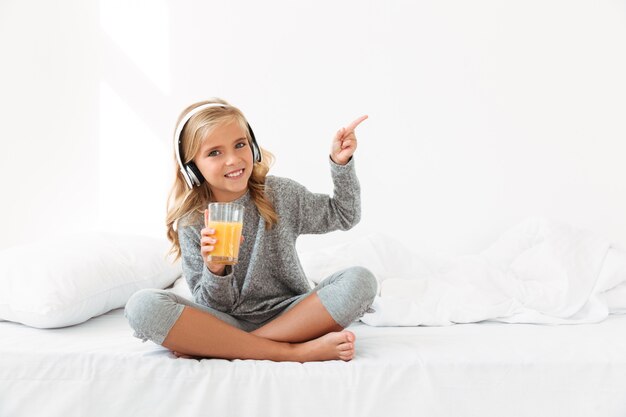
(67, 280)
(383, 255)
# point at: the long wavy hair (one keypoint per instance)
(189, 204)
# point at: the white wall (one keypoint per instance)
(48, 119)
(481, 113)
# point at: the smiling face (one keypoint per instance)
(225, 161)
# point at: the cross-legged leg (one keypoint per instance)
(189, 331)
(198, 333)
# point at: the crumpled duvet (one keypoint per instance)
(540, 271)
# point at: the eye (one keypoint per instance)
(213, 153)
(240, 145)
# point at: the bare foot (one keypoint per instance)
(331, 346)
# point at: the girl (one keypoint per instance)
(262, 307)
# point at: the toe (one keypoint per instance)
(346, 356)
(345, 346)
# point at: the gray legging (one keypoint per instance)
(346, 295)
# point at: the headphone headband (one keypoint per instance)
(189, 171)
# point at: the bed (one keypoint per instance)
(481, 369)
(427, 349)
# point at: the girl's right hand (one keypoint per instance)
(207, 244)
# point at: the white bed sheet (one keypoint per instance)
(484, 369)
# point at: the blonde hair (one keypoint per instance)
(183, 202)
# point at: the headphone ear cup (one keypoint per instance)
(256, 151)
(194, 174)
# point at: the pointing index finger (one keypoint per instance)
(354, 124)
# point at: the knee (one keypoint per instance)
(354, 293)
(141, 303)
(365, 283)
(144, 307)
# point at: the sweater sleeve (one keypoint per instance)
(207, 288)
(321, 213)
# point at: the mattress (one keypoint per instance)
(481, 369)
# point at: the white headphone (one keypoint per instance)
(190, 171)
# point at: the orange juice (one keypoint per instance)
(228, 235)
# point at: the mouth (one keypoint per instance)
(235, 174)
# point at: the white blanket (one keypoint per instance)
(540, 272)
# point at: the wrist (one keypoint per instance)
(217, 269)
(338, 161)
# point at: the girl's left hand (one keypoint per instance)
(344, 143)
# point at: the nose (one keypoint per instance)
(232, 158)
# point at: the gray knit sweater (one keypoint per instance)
(268, 276)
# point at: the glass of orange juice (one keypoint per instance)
(227, 221)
